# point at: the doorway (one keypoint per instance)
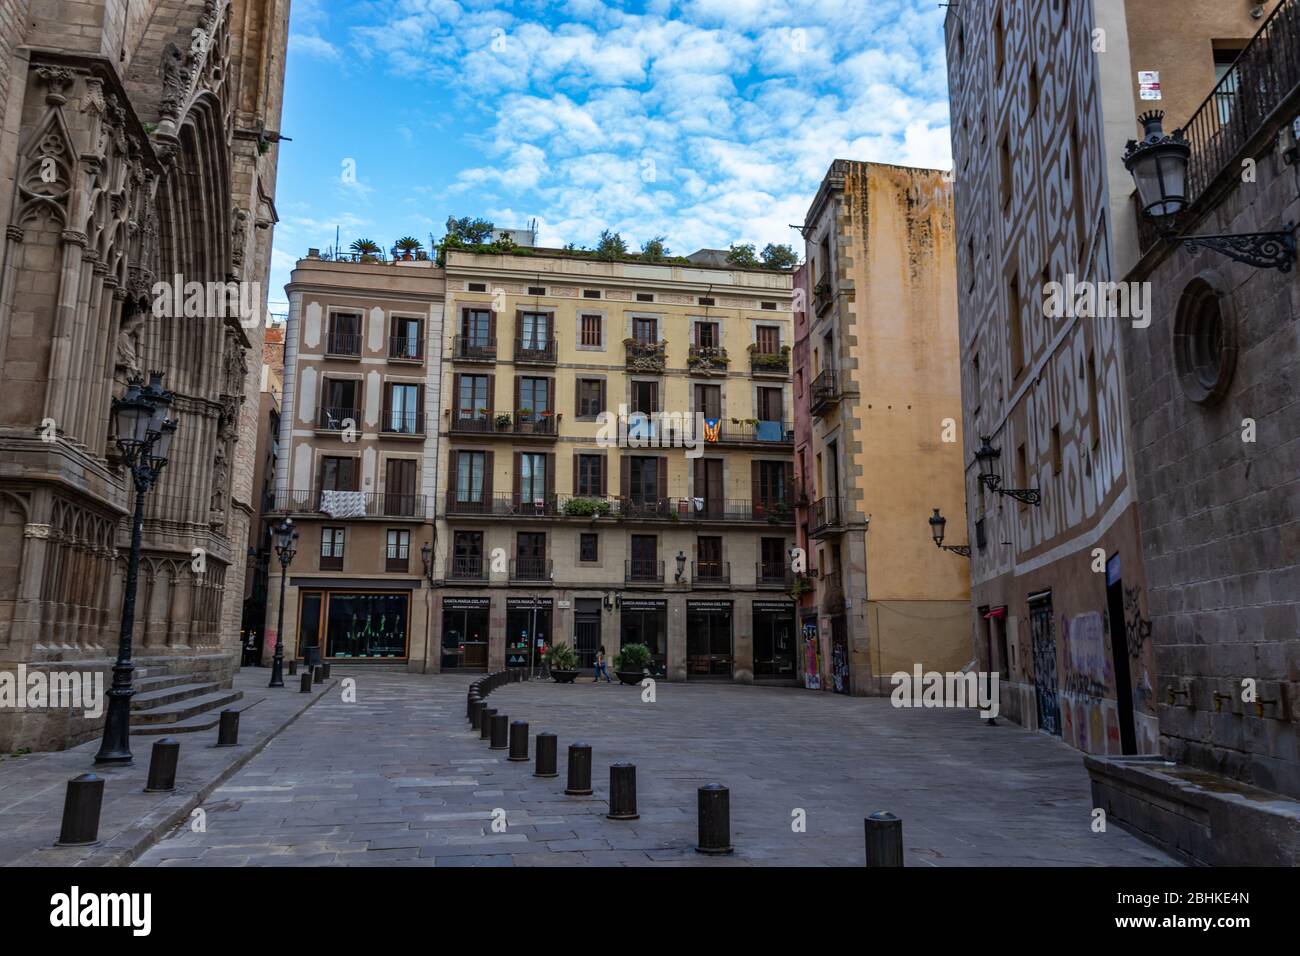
(1119, 655)
(586, 630)
(1042, 641)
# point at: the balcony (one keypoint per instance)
(773, 574)
(467, 569)
(337, 418)
(707, 360)
(826, 517)
(823, 296)
(535, 352)
(770, 363)
(399, 563)
(343, 345)
(825, 392)
(539, 427)
(648, 357)
(407, 424)
(473, 349)
(706, 574)
(473, 424)
(643, 571)
(402, 348)
(340, 505)
(530, 569)
(505, 505)
(750, 432)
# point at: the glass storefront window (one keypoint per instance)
(309, 622)
(366, 625)
(708, 639)
(646, 623)
(464, 636)
(774, 640)
(521, 624)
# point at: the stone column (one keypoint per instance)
(676, 627)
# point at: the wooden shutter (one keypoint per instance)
(654, 396)
(577, 397)
(550, 395)
(519, 326)
(600, 391)
(455, 397)
(625, 477)
(755, 483)
(604, 474)
(487, 480)
(453, 477)
(516, 410)
(576, 469)
(518, 479)
(662, 489)
(550, 475)
(388, 406)
(492, 326)
(419, 407)
(491, 397)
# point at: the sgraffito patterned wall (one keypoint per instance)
(1032, 208)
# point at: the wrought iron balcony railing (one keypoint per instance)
(711, 572)
(825, 391)
(473, 349)
(643, 570)
(826, 515)
(405, 348)
(535, 351)
(402, 423)
(530, 569)
(337, 418)
(344, 344)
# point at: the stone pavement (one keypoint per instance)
(32, 786)
(398, 778)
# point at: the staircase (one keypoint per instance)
(167, 703)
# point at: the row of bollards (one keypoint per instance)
(883, 830)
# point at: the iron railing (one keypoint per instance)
(825, 514)
(825, 391)
(467, 569)
(343, 343)
(348, 505)
(530, 569)
(337, 418)
(645, 570)
(535, 352)
(404, 348)
(473, 349)
(711, 572)
(769, 574)
(402, 423)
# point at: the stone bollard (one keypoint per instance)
(163, 759)
(500, 731)
(304, 683)
(715, 819)
(547, 745)
(884, 834)
(518, 742)
(485, 723)
(81, 805)
(228, 730)
(579, 770)
(622, 792)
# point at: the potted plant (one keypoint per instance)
(563, 663)
(524, 419)
(503, 422)
(630, 663)
(407, 247)
(366, 249)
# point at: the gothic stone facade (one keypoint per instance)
(134, 149)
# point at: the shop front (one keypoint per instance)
(645, 621)
(775, 651)
(710, 650)
(354, 625)
(465, 622)
(528, 623)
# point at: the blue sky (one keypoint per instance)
(705, 121)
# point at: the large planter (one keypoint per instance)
(564, 677)
(629, 677)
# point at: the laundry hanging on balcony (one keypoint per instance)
(343, 504)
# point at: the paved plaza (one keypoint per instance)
(397, 778)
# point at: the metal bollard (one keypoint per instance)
(500, 730)
(547, 745)
(228, 730)
(622, 792)
(325, 669)
(81, 805)
(579, 770)
(163, 759)
(304, 683)
(715, 819)
(476, 712)
(518, 742)
(320, 674)
(469, 706)
(884, 834)
(293, 668)
(485, 723)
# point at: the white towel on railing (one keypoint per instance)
(343, 504)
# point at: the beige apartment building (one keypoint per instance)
(552, 527)
(880, 447)
(358, 458)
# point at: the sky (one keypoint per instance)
(706, 122)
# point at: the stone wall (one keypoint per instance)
(1219, 497)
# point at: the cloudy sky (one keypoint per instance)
(707, 122)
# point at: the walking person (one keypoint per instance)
(601, 667)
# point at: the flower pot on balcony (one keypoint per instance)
(564, 677)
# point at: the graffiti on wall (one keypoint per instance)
(1136, 627)
(1087, 679)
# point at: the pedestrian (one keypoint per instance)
(601, 667)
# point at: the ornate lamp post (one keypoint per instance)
(986, 457)
(144, 437)
(681, 564)
(937, 523)
(1159, 163)
(285, 537)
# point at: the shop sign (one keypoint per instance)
(708, 606)
(781, 607)
(466, 603)
(644, 604)
(526, 604)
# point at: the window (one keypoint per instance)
(770, 405)
(706, 335)
(1205, 342)
(645, 296)
(643, 479)
(532, 476)
(706, 300)
(709, 489)
(644, 565)
(1056, 449)
(1017, 342)
(588, 547)
(476, 327)
(467, 554)
(536, 290)
(476, 287)
(402, 409)
(1033, 91)
(345, 334)
(472, 399)
(470, 469)
(708, 553)
(338, 474)
(534, 399)
(590, 475)
(591, 397)
(397, 552)
(530, 556)
(591, 293)
(772, 556)
(770, 482)
(534, 330)
(399, 487)
(404, 338)
(331, 549)
(645, 397)
(592, 333)
(970, 263)
(768, 339)
(769, 306)
(999, 45)
(645, 331)
(341, 404)
(708, 400)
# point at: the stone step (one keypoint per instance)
(208, 720)
(145, 686)
(176, 712)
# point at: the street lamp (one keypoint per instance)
(986, 457)
(426, 555)
(937, 523)
(681, 564)
(144, 435)
(1159, 165)
(285, 537)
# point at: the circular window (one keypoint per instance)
(1205, 342)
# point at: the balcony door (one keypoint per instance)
(645, 557)
(467, 554)
(476, 327)
(471, 481)
(399, 488)
(535, 330)
(402, 409)
(342, 403)
(530, 555)
(709, 493)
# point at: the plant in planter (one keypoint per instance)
(630, 663)
(524, 419)
(407, 247)
(366, 249)
(503, 422)
(586, 507)
(563, 663)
